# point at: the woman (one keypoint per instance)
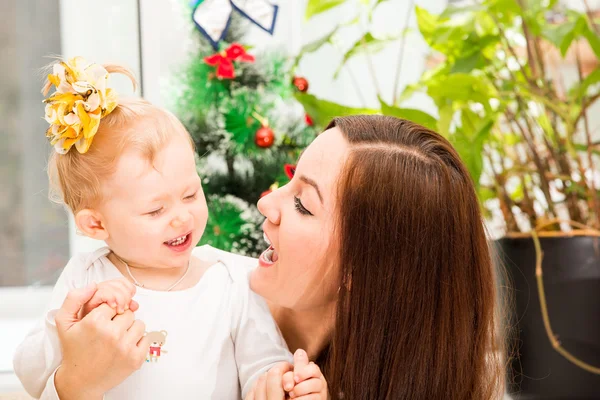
(382, 270)
(379, 268)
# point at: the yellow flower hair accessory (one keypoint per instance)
(81, 99)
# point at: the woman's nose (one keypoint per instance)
(269, 207)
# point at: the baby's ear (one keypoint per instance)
(91, 224)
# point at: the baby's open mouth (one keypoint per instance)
(180, 241)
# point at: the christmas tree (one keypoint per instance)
(240, 109)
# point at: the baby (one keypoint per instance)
(126, 170)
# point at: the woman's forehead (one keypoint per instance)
(322, 161)
(328, 149)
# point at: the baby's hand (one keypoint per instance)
(117, 293)
(306, 382)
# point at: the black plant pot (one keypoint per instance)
(571, 274)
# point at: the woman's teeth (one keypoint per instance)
(269, 255)
(266, 238)
(178, 241)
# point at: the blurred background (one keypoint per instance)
(512, 83)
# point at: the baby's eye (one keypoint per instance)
(155, 212)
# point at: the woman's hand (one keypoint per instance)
(303, 380)
(99, 351)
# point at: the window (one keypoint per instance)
(37, 238)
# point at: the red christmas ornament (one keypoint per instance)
(308, 120)
(300, 83)
(224, 60)
(290, 170)
(264, 137)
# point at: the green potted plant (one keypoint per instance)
(514, 82)
(514, 85)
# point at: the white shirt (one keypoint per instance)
(211, 341)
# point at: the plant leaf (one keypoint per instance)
(580, 90)
(322, 111)
(411, 114)
(592, 39)
(315, 7)
(427, 23)
(315, 45)
(366, 44)
(562, 35)
(471, 149)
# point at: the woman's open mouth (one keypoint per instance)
(269, 256)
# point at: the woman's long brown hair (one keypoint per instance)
(416, 316)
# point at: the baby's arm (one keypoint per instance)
(257, 341)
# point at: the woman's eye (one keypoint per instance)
(300, 208)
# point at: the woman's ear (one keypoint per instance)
(90, 223)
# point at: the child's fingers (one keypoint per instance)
(124, 290)
(303, 373)
(313, 385)
(134, 305)
(288, 381)
(115, 296)
(300, 358)
(300, 362)
(126, 285)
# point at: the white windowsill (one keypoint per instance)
(20, 309)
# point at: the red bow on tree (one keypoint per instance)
(224, 60)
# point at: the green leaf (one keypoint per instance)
(562, 35)
(322, 111)
(427, 23)
(584, 148)
(592, 39)
(546, 126)
(315, 7)
(518, 193)
(418, 116)
(468, 63)
(366, 44)
(453, 10)
(462, 87)
(486, 193)
(581, 90)
(511, 139)
(446, 117)
(315, 45)
(470, 149)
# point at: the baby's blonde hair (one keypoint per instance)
(76, 179)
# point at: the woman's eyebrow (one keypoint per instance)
(313, 184)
